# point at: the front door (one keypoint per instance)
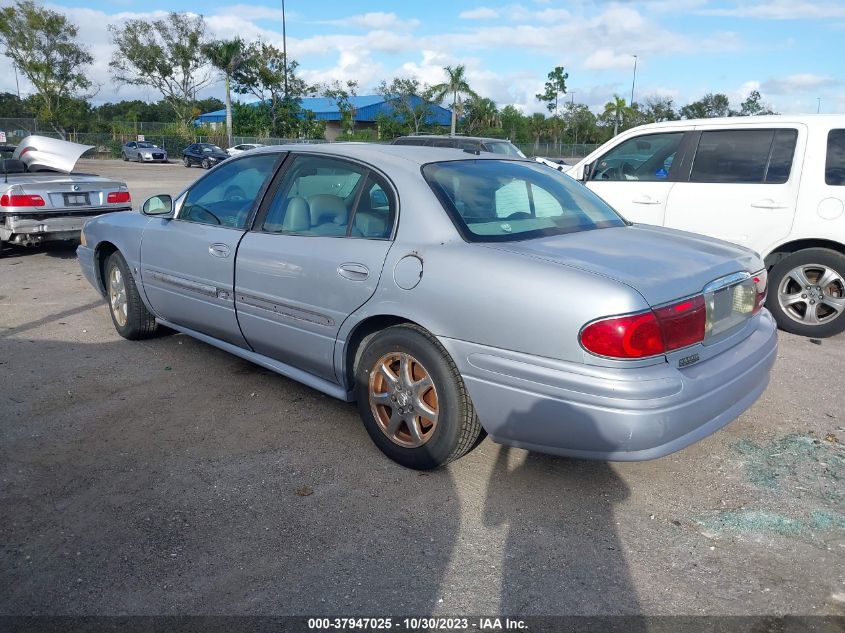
(636, 176)
(315, 257)
(188, 263)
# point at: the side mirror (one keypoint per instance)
(158, 206)
(588, 172)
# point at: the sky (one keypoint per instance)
(791, 51)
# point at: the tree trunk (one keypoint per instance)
(228, 111)
(454, 114)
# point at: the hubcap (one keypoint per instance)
(117, 296)
(403, 399)
(812, 294)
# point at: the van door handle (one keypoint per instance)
(768, 203)
(219, 250)
(353, 271)
(645, 200)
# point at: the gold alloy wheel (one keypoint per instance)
(117, 296)
(403, 399)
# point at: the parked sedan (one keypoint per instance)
(243, 147)
(451, 295)
(143, 152)
(41, 199)
(206, 155)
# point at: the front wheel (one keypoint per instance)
(807, 292)
(130, 316)
(124, 156)
(412, 399)
(206, 164)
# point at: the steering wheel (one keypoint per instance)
(518, 215)
(627, 172)
(235, 193)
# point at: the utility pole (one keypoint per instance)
(634, 81)
(285, 49)
(17, 85)
(819, 105)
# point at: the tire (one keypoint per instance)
(186, 161)
(124, 156)
(822, 294)
(206, 164)
(137, 323)
(455, 430)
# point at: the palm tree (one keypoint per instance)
(226, 56)
(615, 109)
(455, 85)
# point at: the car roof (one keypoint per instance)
(739, 121)
(484, 139)
(385, 154)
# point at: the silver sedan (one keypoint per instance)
(143, 152)
(452, 295)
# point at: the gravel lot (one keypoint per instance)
(166, 477)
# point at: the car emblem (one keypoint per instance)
(76, 187)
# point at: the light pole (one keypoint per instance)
(634, 81)
(285, 50)
(819, 105)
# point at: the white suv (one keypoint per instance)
(775, 184)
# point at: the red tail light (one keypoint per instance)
(761, 283)
(19, 200)
(118, 197)
(648, 333)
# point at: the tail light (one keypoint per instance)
(21, 200)
(649, 333)
(115, 197)
(761, 283)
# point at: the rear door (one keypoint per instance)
(636, 176)
(188, 263)
(740, 184)
(315, 256)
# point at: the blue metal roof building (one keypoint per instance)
(366, 109)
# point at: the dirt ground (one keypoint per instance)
(167, 477)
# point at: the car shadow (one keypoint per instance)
(60, 250)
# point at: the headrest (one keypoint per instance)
(326, 208)
(297, 217)
(370, 224)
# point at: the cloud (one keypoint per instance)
(781, 10)
(799, 83)
(605, 58)
(376, 20)
(481, 13)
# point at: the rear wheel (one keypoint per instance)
(807, 292)
(412, 399)
(186, 161)
(130, 316)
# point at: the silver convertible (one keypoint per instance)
(452, 295)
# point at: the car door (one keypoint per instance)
(636, 176)
(188, 262)
(131, 152)
(314, 257)
(740, 184)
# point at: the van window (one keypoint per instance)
(648, 157)
(744, 156)
(834, 166)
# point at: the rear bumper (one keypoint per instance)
(21, 229)
(610, 413)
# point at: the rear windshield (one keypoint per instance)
(501, 200)
(503, 147)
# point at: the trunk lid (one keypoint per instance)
(65, 192)
(662, 264)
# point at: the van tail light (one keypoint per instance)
(649, 333)
(21, 200)
(116, 197)
(761, 283)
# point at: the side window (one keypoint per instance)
(648, 157)
(130, 145)
(376, 211)
(834, 165)
(315, 198)
(744, 156)
(227, 195)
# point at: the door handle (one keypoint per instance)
(353, 271)
(219, 250)
(645, 200)
(768, 203)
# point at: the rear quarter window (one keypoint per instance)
(744, 156)
(834, 165)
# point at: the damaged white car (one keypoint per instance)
(41, 199)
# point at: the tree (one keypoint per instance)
(753, 106)
(455, 85)
(342, 95)
(409, 99)
(513, 124)
(659, 109)
(226, 56)
(709, 106)
(615, 111)
(480, 113)
(165, 54)
(263, 75)
(42, 44)
(537, 125)
(555, 88)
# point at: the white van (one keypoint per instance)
(775, 184)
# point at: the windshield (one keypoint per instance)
(505, 148)
(210, 149)
(501, 200)
(143, 145)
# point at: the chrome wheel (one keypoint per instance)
(812, 294)
(403, 399)
(117, 296)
